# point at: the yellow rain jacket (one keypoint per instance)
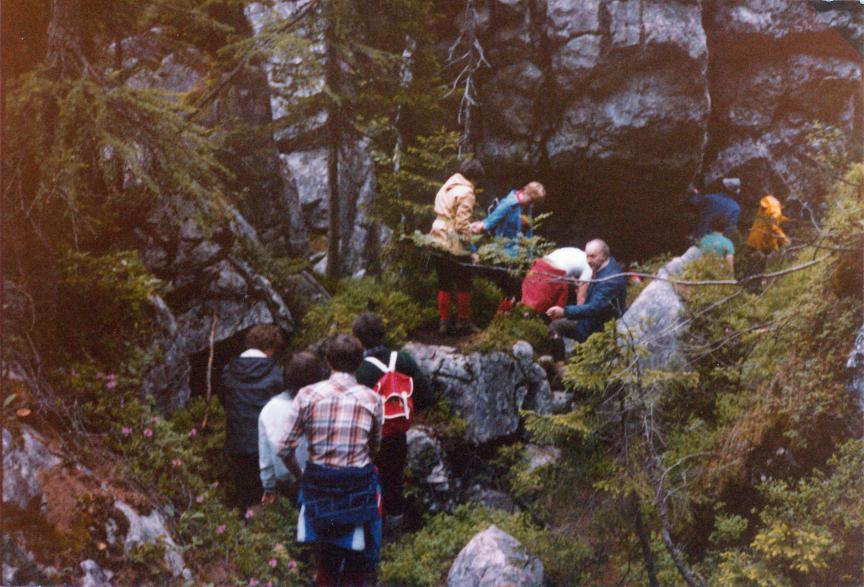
(454, 205)
(766, 234)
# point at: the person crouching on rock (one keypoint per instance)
(511, 220)
(303, 369)
(340, 492)
(454, 206)
(379, 360)
(606, 300)
(247, 384)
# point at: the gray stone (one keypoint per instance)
(487, 390)
(94, 576)
(562, 402)
(653, 322)
(855, 366)
(150, 529)
(492, 499)
(540, 456)
(428, 470)
(25, 458)
(493, 558)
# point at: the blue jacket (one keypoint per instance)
(505, 221)
(606, 301)
(715, 205)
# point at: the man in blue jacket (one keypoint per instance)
(722, 205)
(606, 300)
(247, 384)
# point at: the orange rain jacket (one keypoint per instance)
(766, 234)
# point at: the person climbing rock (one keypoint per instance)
(766, 236)
(548, 281)
(721, 204)
(247, 384)
(511, 220)
(340, 492)
(454, 206)
(303, 369)
(391, 459)
(717, 244)
(606, 299)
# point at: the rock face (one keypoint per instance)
(304, 155)
(427, 467)
(652, 323)
(855, 365)
(487, 390)
(208, 288)
(616, 103)
(493, 558)
(24, 459)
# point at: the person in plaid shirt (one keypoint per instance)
(342, 422)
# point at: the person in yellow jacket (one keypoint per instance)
(766, 236)
(454, 206)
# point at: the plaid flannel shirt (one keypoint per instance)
(341, 419)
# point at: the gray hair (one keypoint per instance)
(604, 248)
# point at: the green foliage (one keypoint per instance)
(119, 288)
(506, 329)
(423, 558)
(401, 314)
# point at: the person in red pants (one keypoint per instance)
(454, 206)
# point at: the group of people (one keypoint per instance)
(331, 433)
(602, 288)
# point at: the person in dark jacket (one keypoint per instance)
(605, 301)
(248, 382)
(721, 204)
(391, 459)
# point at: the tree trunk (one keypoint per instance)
(65, 44)
(331, 79)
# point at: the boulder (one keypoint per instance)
(428, 470)
(150, 529)
(653, 323)
(855, 366)
(493, 558)
(94, 576)
(487, 390)
(25, 459)
(537, 456)
(492, 499)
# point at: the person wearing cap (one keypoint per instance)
(721, 204)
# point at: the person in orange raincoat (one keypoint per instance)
(766, 236)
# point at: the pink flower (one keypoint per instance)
(272, 562)
(125, 431)
(73, 372)
(253, 582)
(279, 547)
(148, 433)
(220, 529)
(250, 513)
(111, 382)
(292, 566)
(199, 499)
(269, 584)
(193, 433)
(176, 463)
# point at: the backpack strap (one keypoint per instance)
(392, 366)
(377, 363)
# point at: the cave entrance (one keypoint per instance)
(223, 351)
(640, 212)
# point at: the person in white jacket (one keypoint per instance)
(303, 369)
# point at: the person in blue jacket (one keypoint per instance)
(511, 220)
(606, 300)
(721, 204)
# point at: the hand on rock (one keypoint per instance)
(476, 228)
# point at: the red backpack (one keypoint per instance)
(396, 389)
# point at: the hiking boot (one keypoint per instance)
(445, 327)
(466, 327)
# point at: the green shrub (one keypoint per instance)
(401, 313)
(506, 329)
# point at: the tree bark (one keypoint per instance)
(332, 81)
